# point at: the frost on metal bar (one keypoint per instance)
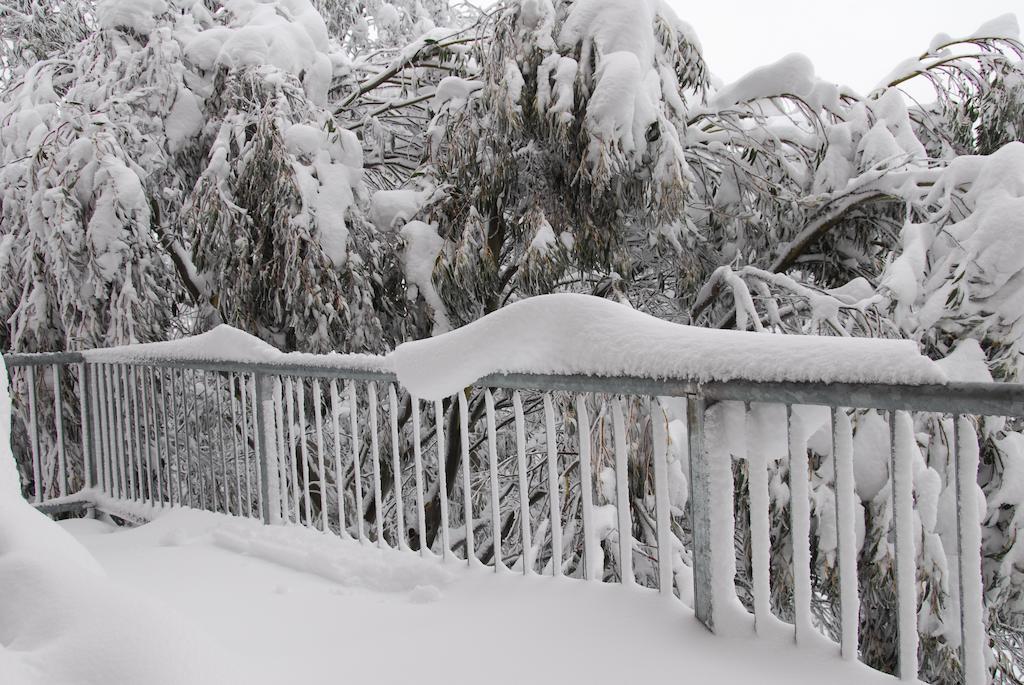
(760, 543)
(353, 414)
(663, 520)
(800, 524)
(554, 502)
(492, 469)
(304, 452)
(904, 444)
(378, 498)
(339, 474)
(842, 464)
(442, 479)
(318, 422)
(467, 488)
(968, 533)
(396, 469)
(524, 488)
(622, 504)
(421, 515)
(592, 568)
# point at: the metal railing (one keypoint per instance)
(607, 479)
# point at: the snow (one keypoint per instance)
(295, 620)
(139, 15)
(228, 344)
(391, 209)
(905, 455)
(791, 75)
(455, 90)
(63, 620)
(580, 334)
(422, 247)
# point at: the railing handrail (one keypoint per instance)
(982, 399)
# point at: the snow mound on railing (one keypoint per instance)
(580, 334)
(229, 344)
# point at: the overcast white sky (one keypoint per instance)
(854, 42)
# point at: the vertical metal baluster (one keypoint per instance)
(281, 501)
(266, 447)
(197, 433)
(590, 570)
(846, 540)
(127, 453)
(304, 451)
(396, 467)
(524, 486)
(800, 525)
(378, 499)
(180, 460)
(467, 485)
(339, 472)
(970, 585)
(492, 466)
(760, 541)
(700, 512)
(289, 388)
(625, 519)
(123, 464)
(147, 445)
(357, 465)
(166, 428)
(663, 519)
(247, 394)
(33, 430)
(902, 441)
(58, 414)
(132, 396)
(234, 440)
(554, 502)
(442, 478)
(318, 420)
(90, 456)
(110, 468)
(218, 404)
(156, 437)
(421, 517)
(95, 384)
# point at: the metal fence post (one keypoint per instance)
(266, 444)
(700, 511)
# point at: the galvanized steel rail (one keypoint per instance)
(498, 475)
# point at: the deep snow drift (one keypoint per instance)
(63, 620)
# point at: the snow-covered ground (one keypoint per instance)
(294, 605)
